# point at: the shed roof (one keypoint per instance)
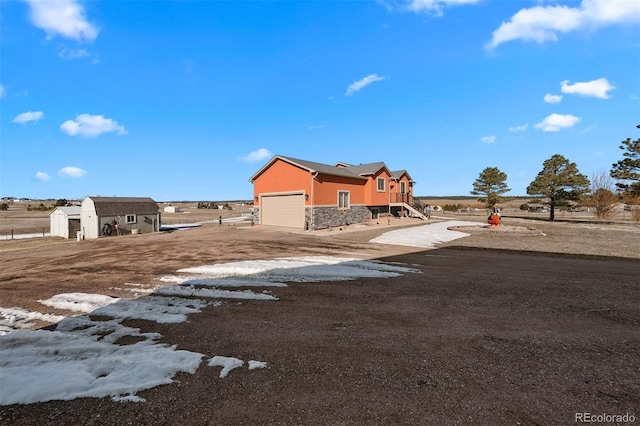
(107, 206)
(69, 211)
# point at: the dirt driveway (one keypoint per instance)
(495, 329)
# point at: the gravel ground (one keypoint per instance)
(499, 328)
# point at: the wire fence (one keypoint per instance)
(21, 233)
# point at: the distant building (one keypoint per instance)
(172, 209)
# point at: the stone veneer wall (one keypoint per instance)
(325, 217)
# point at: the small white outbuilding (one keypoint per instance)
(65, 222)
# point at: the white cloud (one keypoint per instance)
(488, 139)
(65, 18)
(71, 171)
(435, 7)
(2, 91)
(70, 54)
(88, 125)
(42, 176)
(258, 155)
(360, 84)
(520, 128)
(595, 88)
(28, 116)
(552, 99)
(543, 23)
(555, 122)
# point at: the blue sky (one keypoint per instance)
(186, 100)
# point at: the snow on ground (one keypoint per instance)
(12, 319)
(191, 291)
(297, 269)
(424, 236)
(78, 302)
(227, 364)
(231, 363)
(87, 357)
(162, 310)
(46, 365)
(136, 288)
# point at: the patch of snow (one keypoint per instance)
(78, 302)
(110, 331)
(257, 364)
(300, 269)
(227, 364)
(162, 310)
(128, 398)
(191, 291)
(51, 365)
(20, 319)
(230, 282)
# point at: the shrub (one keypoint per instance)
(451, 207)
(207, 205)
(39, 208)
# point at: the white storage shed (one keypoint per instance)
(64, 222)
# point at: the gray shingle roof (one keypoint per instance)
(355, 172)
(367, 169)
(109, 206)
(322, 168)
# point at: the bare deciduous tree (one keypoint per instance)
(602, 198)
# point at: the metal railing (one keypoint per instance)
(402, 198)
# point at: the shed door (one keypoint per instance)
(74, 227)
(282, 210)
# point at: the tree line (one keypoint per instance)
(560, 182)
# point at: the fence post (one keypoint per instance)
(12, 234)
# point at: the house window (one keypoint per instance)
(403, 187)
(381, 184)
(130, 218)
(343, 200)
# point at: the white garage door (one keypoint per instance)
(282, 210)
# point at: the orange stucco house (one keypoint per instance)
(307, 195)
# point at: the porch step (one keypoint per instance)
(414, 211)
